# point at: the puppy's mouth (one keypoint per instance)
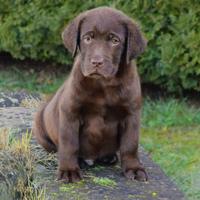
(98, 74)
(95, 75)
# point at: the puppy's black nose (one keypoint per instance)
(97, 62)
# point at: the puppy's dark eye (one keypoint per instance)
(87, 39)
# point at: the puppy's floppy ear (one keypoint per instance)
(71, 34)
(135, 41)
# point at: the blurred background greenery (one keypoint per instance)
(31, 30)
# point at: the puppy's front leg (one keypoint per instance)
(68, 148)
(131, 166)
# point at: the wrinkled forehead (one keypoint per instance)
(103, 23)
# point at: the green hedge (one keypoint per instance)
(31, 29)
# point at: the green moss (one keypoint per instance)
(106, 182)
(73, 190)
(136, 196)
(71, 187)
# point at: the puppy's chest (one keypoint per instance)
(110, 107)
(100, 116)
(108, 112)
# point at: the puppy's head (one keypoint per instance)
(105, 39)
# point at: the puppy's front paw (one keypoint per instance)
(68, 176)
(138, 174)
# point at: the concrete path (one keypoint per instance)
(99, 182)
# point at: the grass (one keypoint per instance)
(169, 113)
(18, 159)
(14, 78)
(170, 133)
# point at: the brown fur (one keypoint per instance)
(97, 110)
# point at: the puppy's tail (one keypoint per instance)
(40, 133)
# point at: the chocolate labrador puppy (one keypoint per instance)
(96, 112)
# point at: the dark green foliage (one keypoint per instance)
(32, 29)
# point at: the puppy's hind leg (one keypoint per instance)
(40, 133)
